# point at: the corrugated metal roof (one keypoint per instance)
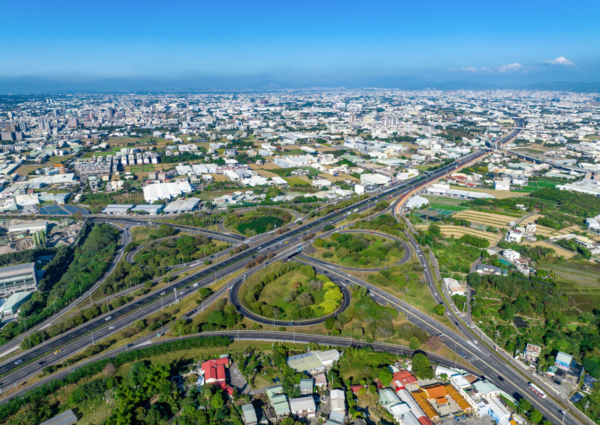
(17, 270)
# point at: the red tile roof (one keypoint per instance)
(424, 420)
(356, 388)
(404, 377)
(214, 370)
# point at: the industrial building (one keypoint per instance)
(182, 206)
(155, 192)
(29, 226)
(12, 304)
(17, 278)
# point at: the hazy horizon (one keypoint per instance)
(68, 45)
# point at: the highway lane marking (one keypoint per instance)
(466, 349)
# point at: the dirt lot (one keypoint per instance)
(265, 166)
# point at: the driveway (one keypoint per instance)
(237, 380)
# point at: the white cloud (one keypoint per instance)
(511, 67)
(469, 69)
(561, 61)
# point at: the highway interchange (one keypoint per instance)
(464, 344)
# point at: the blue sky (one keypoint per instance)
(323, 40)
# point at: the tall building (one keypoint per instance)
(73, 123)
(110, 113)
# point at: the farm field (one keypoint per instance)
(547, 231)
(579, 282)
(559, 251)
(458, 231)
(499, 194)
(489, 219)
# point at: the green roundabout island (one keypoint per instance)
(360, 250)
(260, 220)
(290, 291)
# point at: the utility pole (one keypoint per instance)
(175, 290)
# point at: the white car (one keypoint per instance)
(108, 318)
(112, 327)
(162, 293)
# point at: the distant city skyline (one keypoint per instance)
(68, 45)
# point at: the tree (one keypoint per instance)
(217, 318)
(421, 366)
(434, 343)
(385, 376)
(524, 406)
(307, 271)
(216, 401)
(329, 323)
(434, 230)
(414, 343)
(440, 309)
(536, 416)
(305, 299)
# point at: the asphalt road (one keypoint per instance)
(76, 340)
(15, 342)
(235, 300)
(405, 258)
(482, 358)
(139, 222)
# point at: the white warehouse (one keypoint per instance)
(155, 192)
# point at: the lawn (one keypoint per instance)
(295, 181)
(358, 250)
(292, 295)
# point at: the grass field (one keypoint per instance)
(296, 181)
(121, 141)
(538, 185)
(339, 177)
(392, 256)
(446, 202)
(495, 220)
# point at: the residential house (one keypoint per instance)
(303, 407)
(338, 401)
(280, 407)
(249, 415)
(511, 255)
(307, 386)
